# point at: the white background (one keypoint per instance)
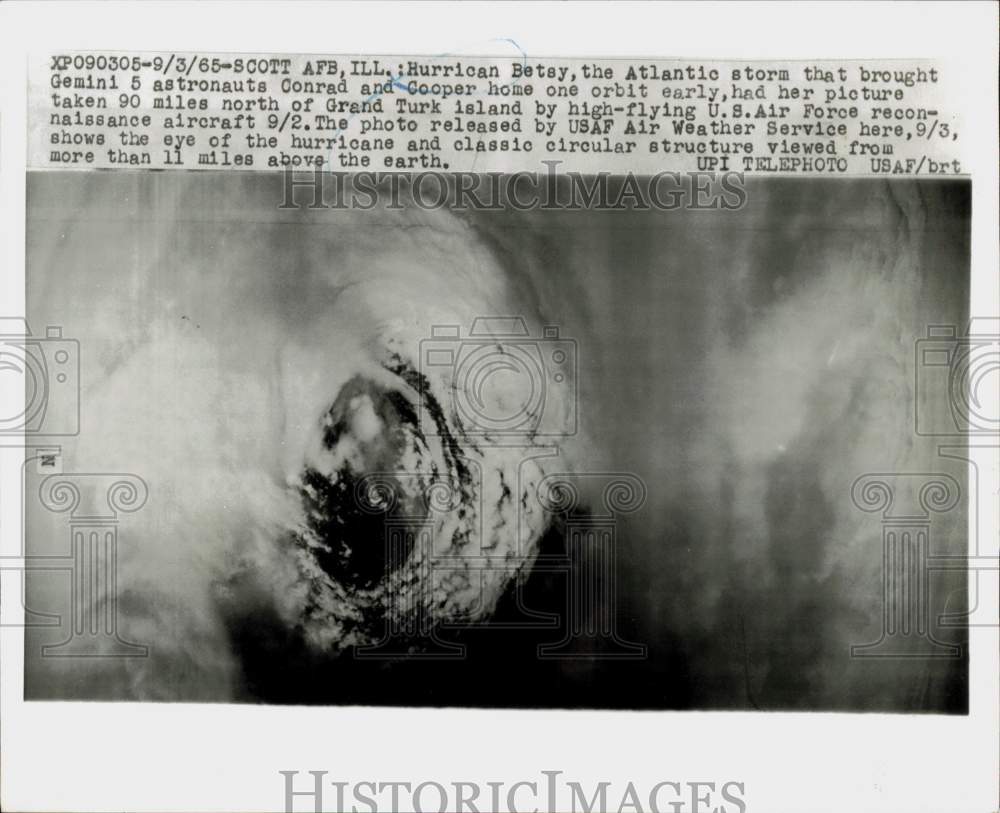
(92, 756)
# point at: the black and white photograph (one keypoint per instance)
(477, 407)
(596, 457)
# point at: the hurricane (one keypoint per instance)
(298, 398)
(350, 422)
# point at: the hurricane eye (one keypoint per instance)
(354, 513)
